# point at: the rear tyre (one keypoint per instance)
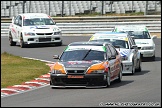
(11, 42)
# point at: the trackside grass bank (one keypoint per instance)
(15, 69)
(157, 34)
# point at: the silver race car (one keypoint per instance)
(131, 57)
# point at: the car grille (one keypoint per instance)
(75, 81)
(44, 33)
(42, 28)
(75, 71)
(44, 39)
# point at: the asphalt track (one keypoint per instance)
(141, 89)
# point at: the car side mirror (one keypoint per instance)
(20, 24)
(154, 37)
(55, 56)
(133, 37)
(134, 47)
(112, 57)
(105, 56)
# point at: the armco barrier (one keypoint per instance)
(90, 25)
(101, 19)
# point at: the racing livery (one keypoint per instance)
(131, 57)
(86, 64)
(34, 28)
(142, 38)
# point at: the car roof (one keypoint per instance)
(111, 34)
(87, 43)
(34, 15)
(131, 28)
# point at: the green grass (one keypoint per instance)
(16, 70)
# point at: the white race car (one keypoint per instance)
(34, 28)
(142, 38)
(125, 44)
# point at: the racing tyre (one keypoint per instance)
(120, 75)
(139, 66)
(22, 44)
(59, 44)
(153, 58)
(133, 67)
(11, 41)
(108, 80)
(51, 85)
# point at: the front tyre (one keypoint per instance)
(108, 83)
(153, 58)
(51, 85)
(120, 74)
(59, 43)
(22, 44)
(139, 66)
(133, 68)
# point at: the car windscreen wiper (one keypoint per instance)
(86, 54)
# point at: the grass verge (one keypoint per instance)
(157, 34)
(15, 69)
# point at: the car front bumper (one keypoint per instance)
(127, 67)
(147, 53)
(86, 80)
(42, 39)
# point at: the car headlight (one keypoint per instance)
(98, 71)
(147, 48)
(29, 34)
(57, 33)
(56, 29)
(124, 57)
(56, 72)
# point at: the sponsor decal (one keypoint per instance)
(13, 30)
(79, 62)
(124, 53)
(141, 43)
(32, 27)
(75, 76)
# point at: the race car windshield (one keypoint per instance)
(78, 55)
(115, 42)
(38, 21)
(139, 34)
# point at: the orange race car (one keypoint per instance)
(87, 64)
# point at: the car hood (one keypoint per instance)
(123, 52)
(144, 42)
(80, 63)
(41, 28)
(89, 66)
